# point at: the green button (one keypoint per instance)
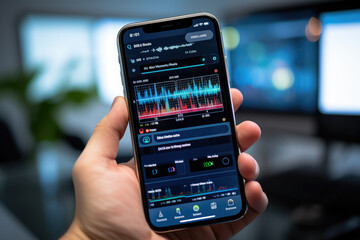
(208, 164)
(146, 140)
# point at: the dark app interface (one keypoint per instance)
(182, 124)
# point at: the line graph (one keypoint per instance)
(190, 190)
(189, 95)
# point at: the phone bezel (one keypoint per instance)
(139, 173)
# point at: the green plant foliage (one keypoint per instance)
(42, 115)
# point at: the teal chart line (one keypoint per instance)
(171, 69)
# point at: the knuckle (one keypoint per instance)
(76, 168)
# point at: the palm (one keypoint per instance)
(119, 208)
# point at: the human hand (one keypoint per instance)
(108, 197)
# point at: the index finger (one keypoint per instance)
(237, 98)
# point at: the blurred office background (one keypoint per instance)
(296, 62)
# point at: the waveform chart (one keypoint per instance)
(183, 96)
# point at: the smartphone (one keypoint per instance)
(182, 122)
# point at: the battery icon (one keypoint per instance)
(206, 23)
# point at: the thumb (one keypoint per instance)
(104, 142)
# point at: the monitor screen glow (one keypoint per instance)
(274, 63)
(71, 52)
(339, 85)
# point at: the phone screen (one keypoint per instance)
(182, 123)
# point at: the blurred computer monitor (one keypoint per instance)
(339, 84)
(71, 51)
(339, 75)
(275, 61)
(74, 52)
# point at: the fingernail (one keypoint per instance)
(257, 168)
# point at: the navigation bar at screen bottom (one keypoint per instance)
(195, 211)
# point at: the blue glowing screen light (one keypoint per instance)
(273, 62)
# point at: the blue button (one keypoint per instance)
(145, 139)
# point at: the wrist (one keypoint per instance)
(74, 232)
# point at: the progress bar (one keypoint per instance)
(170, 69)
(195, 219)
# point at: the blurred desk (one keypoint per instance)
(306, 204)
(11, 227)
(47, 216)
